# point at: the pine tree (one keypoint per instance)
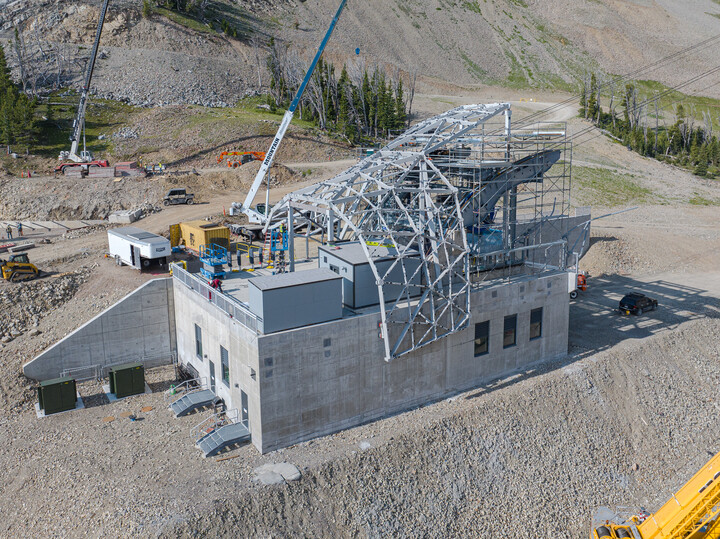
(592, 103)
(400, 114)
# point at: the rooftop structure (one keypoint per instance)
(456, 197)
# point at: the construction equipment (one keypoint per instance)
(18, 268)
(691, 513)
(245, 157)
(85, 158)
(253, 215)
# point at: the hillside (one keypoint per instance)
(511, 43)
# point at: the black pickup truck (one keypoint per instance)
(636, 303)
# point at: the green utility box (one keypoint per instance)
(57, 395)
(126, 380)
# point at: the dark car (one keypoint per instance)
(178, 196)
(636, 303)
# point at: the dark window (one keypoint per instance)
(268, 362)
(327, 342)
(536, 323)
(509, 331)
(225, 362)
(482, 338)
(198, 342)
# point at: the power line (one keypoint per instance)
(665, 108)
(657, 96)
(630, 75)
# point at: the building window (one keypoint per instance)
(327, 342)
(225, 362)
(198, 342)
(509, 331)
(536, 323)
(482, 338)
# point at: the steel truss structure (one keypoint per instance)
(458, 199)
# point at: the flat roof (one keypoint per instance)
(205, 225)
(138, 234)
(353, 253)
(296, 278)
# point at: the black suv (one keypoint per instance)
(637, 303)
(178, 196)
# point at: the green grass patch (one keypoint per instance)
(102, 117)
(697, 200)
(608, 188)
(184, 20)
(473, 6)
(475, 70)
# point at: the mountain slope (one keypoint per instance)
(512, 43)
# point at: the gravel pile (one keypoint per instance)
(65, 198)
(24, 304)
(533, 460)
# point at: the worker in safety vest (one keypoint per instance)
(582, 281)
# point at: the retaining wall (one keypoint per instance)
(139, 327)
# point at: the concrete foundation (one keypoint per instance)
(125, 216)
(140, 327)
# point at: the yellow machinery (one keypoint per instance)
(18, 268)
(691, 513)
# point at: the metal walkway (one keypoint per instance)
(213, 442)
(192, 401)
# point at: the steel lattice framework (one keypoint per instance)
(399, 200)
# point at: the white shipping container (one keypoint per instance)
(138, 248)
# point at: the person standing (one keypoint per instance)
(19, 229)
(8, 231)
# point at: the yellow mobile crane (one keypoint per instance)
(691, 513)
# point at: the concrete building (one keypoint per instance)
(296, 384)
(441, 265)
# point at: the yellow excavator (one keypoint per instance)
(18, 268)
(691, 513)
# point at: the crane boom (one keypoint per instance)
(79, 120)
(691, 513)
(287, 118)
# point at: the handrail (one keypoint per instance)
(184, 388)
(234, 308)
(213, 422)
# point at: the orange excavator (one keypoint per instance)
(242, 158)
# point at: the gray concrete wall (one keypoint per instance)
(320, 379)
(218, 329)
(139, 327)
(359, 285)
(296, 306)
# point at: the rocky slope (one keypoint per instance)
(517, 43)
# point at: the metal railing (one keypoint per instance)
(100, 370)
(213, 422)
(235, 309)
(175, 393)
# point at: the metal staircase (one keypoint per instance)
(194, 394)
(218, 431)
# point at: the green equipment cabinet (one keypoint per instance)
(57, 395)
(126, 380)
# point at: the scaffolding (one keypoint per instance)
(461, 200)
